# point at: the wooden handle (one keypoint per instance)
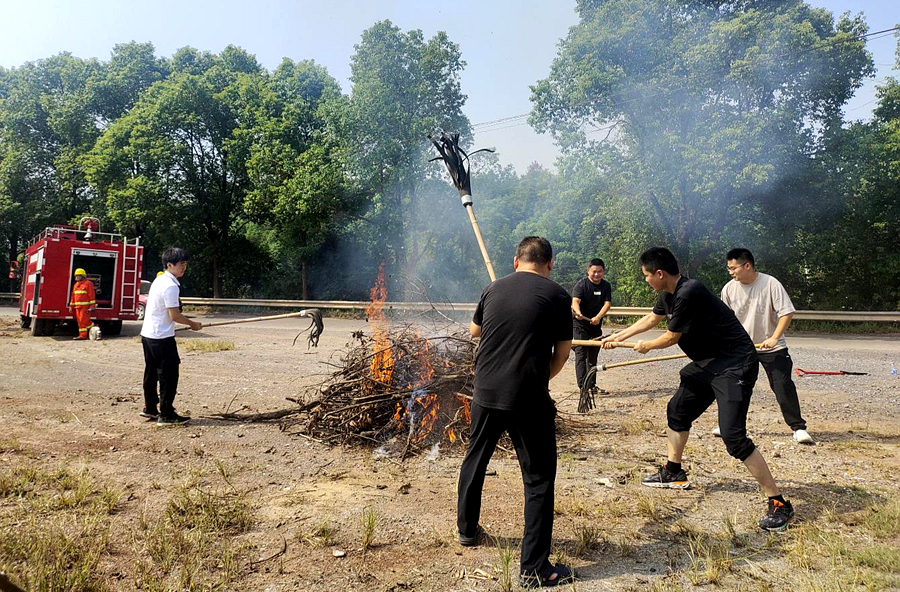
(251, 320)
(592, 343)
(484, 253)
(644, 361)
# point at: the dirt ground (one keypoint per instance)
(279, 507)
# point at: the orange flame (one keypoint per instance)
(382, 360)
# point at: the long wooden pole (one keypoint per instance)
(302, 313)
(644, 361)
(484, 253)
(592, 343)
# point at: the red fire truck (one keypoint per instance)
(112, 262)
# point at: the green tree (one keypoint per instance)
(695, 112)
(46, 127)
(404, 88)
(175, 166)
(296, 167)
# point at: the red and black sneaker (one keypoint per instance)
(778, 516)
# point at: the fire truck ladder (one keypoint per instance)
(130, 266)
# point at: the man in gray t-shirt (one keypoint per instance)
(763, 307)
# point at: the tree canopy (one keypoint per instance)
(700, 126)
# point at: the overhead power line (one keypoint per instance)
(517, 120)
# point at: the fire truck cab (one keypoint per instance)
(112, 262)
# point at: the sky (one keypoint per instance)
(507, 44)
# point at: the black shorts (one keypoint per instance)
(731, 389)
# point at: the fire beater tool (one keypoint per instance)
(316, 325)
(586, 400)
(801, 372)
(457, 162)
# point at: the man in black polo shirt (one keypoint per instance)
(724, 369)
(591, 299)
(524, 324)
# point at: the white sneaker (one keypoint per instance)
(717, 432)
(803, 437)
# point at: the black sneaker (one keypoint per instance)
(564, 575)
(171, 420)
(778, 516)
(150, 413)
(472, 541)
(667, 479)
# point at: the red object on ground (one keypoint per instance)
(801, 372)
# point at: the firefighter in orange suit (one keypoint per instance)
(83, 302)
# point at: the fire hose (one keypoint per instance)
(316, 325)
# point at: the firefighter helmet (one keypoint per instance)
(81, 271)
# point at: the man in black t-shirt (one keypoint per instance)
(724, 369)
(591, 299)
(524, 324)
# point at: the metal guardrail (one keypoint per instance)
(806, 315)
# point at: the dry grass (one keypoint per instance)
(189, 545)
(10, 445)
(64, 530)
(648, 506)
(506, 571)
(370, 521)
(710, 559)
(61, 527)
(883, 521)
(588, 538)
(322, 534)
(204, 346)
(636, 427)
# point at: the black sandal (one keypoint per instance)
(564, 575)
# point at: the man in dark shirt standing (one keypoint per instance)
(524, 323)
(724, 369)
(591, 299)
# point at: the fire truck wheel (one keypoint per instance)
(26, 322)
(41, 327)
(140, 312)
(111, 327)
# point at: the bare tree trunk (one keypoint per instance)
(304, 286)
(216, 279)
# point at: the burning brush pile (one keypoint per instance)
(397, 388)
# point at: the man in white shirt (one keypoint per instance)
(161, 359)
(763, 307)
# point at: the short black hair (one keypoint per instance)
(596, 261)
(535, 249)
(741, 255)
(656, 258)
(174, 255)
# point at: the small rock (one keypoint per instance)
(606, 482)
(112, 448)
(338, 552)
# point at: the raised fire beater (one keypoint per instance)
(112, 264)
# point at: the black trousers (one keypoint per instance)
(778, 366)
(533, 435)
(585, 357)
(731, 389)
(161, 363)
